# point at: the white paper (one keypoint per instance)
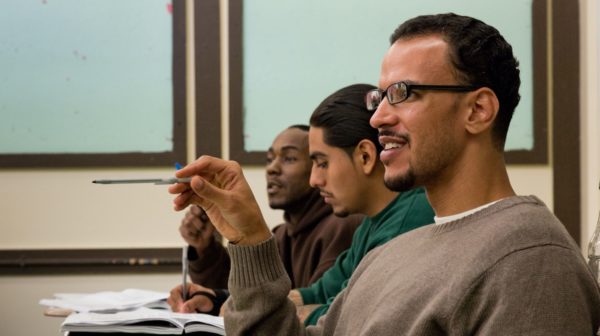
(108, 301)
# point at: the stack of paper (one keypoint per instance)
(108, 301)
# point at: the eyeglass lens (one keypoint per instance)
(395, 93)
(372, 99)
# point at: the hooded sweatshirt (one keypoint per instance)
(307, 247)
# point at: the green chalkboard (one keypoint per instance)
(92, 82)
(295, 53)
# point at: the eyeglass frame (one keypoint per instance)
(409, 87)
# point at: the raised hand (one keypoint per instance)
(219, 187)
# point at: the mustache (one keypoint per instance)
(388, 133)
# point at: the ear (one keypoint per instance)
(365, 156)
(482, 110)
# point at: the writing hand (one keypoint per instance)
(219, 187)
(196, 304)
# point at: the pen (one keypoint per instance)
(171, 180)
(184, 267)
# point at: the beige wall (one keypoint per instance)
(590, 117)
(60, 207)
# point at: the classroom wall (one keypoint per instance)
(590, 118)
(60, 196)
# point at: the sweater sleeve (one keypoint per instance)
(259, 286)
(211, 268)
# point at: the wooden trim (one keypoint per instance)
(566, 114)
(132, 159)
(15, 262)
(92, 160)
(208, 77)
(539, 153)
(237, 147)
(179, 85)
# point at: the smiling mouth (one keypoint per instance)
(391, 142)
(273, 187)
(392, 145)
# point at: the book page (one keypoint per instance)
(144, 320)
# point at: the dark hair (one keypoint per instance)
(301, 127)
(480, 56)
(344, 118)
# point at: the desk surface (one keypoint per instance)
(57, 312)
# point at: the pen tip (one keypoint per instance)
(94, 181)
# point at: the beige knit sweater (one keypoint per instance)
(510, 269)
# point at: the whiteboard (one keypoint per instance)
(295, 53)
(86, 76)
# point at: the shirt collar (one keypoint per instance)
(446, 219)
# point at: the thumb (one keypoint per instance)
(208, 192)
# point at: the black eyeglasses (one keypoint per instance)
(399, 92)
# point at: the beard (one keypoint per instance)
(401, 183)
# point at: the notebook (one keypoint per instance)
(144, 320)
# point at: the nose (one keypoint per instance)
(315, 180)
(272, 167)
(382, 115)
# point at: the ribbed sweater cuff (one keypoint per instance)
(254, 265)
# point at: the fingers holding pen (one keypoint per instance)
(195, 303)
(175, 300)
(182, 200)
(200, 192)
(219, 187)
(184, 194)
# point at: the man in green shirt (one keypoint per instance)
(347, 170)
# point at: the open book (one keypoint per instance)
(145, 320)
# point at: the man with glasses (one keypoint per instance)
(493, 264)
